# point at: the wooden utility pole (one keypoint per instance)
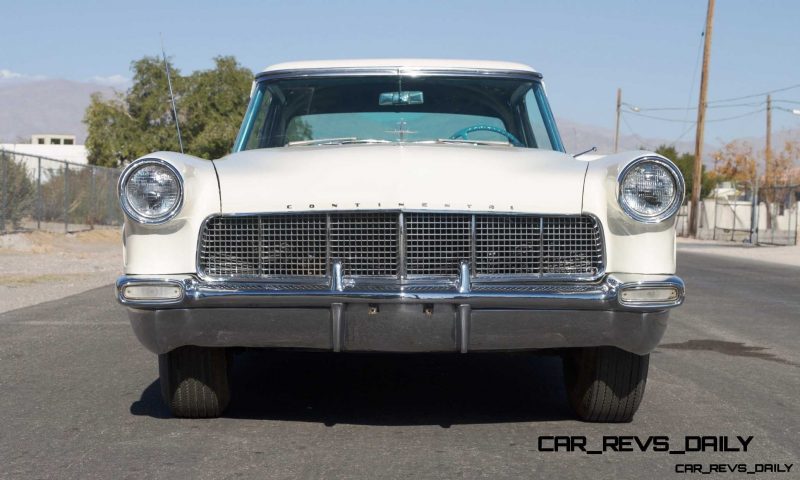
(619, 107)
(768, 147)
(697, 174)
(767, 165)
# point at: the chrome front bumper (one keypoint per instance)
(412, 317)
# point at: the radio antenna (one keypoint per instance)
(171, 94)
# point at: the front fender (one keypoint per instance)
(170, 248)
(631, 246)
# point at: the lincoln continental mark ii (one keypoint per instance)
(401, 206)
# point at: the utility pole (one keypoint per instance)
(768, 147)
(697, 174)
(767, 163)
(619, 107)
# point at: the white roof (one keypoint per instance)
(421, 63)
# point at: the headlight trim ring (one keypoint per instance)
(129, 211)
(676, 202)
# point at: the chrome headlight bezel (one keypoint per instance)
(129, 211)
(674, 206)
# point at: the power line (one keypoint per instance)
(786, 109)
(680, 137)
(737, 116)
(625, 121)
(735, 105)
(694, 76)
(676, 120)
(710, 103)
(755, 94)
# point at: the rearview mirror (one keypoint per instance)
(401, 98)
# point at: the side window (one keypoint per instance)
(253, 126)
(256, 131)
(537, 122)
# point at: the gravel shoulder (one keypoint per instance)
(37, 266)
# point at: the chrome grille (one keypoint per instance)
(571, 245)
(394, 244)
(436, 243)
(507, 245)
(366, 243)
(293, 245)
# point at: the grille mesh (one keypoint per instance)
(370, 244)
(507, 245)
(366, 243)
(436, 243)
(571, 245)
(293, 245)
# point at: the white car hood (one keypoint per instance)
(406, 177)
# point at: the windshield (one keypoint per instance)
(321, 110)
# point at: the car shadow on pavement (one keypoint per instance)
(389, 389)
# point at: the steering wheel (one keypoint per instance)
(464, 132)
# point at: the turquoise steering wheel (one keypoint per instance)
(464, 132)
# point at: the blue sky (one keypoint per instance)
(586, 49)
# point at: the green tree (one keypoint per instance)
(685, 162)
(210, 106)
(213, 107)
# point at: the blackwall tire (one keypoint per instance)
(194, 381)
(605, 384)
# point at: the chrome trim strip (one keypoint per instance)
(401, 246)
(337, 285)
(464, 277)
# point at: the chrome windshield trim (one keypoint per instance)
(404, 71)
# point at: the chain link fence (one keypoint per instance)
(740, 212)
(47, 194)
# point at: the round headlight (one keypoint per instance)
(650, 190)
(151, 191)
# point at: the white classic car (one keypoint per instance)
(401, 206)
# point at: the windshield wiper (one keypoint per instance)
(473, 142)
(337, 141)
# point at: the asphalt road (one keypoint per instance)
(79, 398)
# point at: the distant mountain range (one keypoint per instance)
(58, 106)
(45, 106)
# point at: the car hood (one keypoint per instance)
(392, 177)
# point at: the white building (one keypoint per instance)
(53, 146)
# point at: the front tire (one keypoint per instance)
(194, 381)
(605, 384)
